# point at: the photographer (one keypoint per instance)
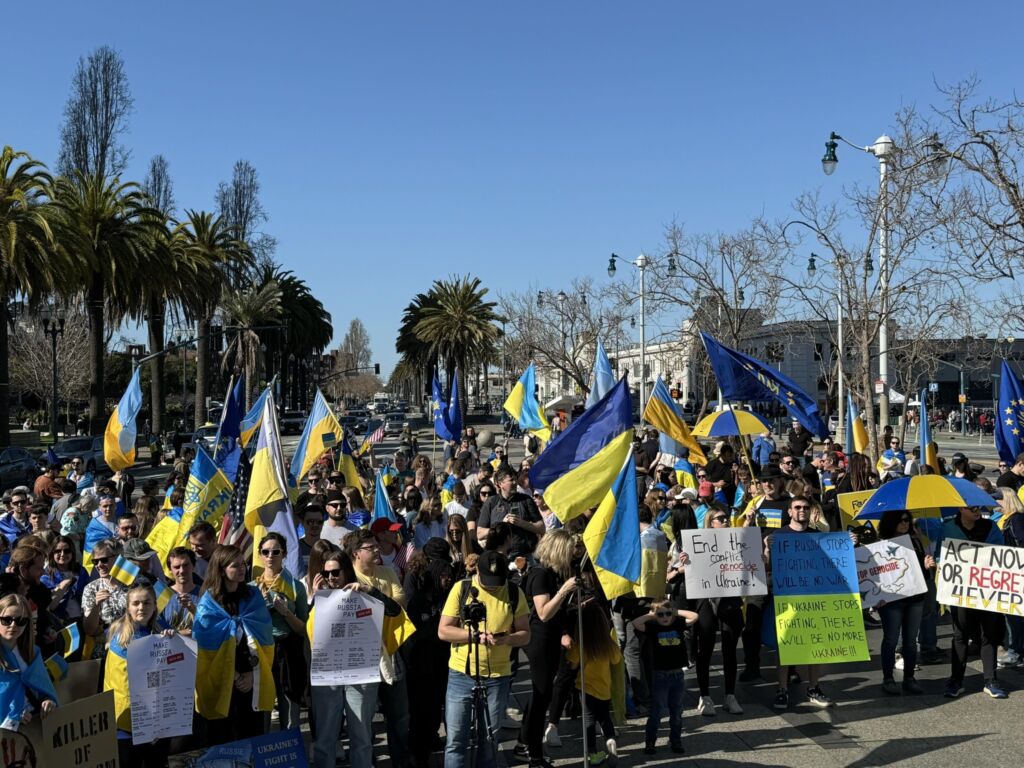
(483, 619)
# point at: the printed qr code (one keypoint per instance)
(337, 630)
(152, 679)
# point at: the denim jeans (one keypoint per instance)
(666, 694)
(458, 707)
(394, 701)
(360, 703)
(901, 618)
(1015, 634)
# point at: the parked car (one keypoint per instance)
(89, 448)
(393, 423)
(17, 467)
(293, 422)
(833, 424)
(203, 437)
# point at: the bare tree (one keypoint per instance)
(355, 351)
(238, 201)
(32, 359)
(96, 116)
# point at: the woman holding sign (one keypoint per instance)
(22, 673)
(139, 620)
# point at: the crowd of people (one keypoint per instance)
(491, 579)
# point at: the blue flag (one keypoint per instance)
(440, 412)
(381, 502)
(602, 379)
(1010, 416)
(454, 413)
(743, 377)
(51, 457)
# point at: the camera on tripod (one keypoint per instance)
(474, 612)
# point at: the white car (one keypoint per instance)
(833, 424)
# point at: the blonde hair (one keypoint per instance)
(125, 628)
(1011, 505)
(26, 642)
(816, 519)
(555, 550)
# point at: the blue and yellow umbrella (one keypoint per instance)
(925, 496)
(730, 422)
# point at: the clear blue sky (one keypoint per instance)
(521, 142)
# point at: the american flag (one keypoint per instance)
(233, 530)
(372, 438)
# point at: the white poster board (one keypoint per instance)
(724, 562)
(347, 628)
(985, 577)
(161, 683)
(887, 571)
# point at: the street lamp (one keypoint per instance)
(642, 263)
(812, 266)
(885, 150)
(181, 336)
(561, 298)
(53, 326)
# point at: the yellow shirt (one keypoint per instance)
(384, 579)
(598, 672)
(496, 660)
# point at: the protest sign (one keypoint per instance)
(273, 750)
(161, 683)
(850, 504)
(888, 570)
(818, 617)
(986, 577)
(724, 562)
(18, 749)
(83, 679)
(347, 627)
(81, 733)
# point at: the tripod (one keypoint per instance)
(481, 715)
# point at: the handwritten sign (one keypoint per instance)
(82, 734)
(850, 505)
(986, 577)
(346, 649)
(818, 617)
(724, 562)
(887, 571)
(161, 683)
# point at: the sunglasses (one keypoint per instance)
(664, 614)
(101, 560)
(61, 551)
(6, 621)
(19, 502)
(270, 552)
(370, 548)
(895, 442)
(906, 519)
(333, 573)
(800, 509)
(129, 527)
(484, 493)
(720, 519)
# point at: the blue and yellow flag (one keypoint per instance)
(575, 472)
(1009, 425)
(745, 378)
(685, 476)
(207, 495)
(57, 667)
(14, 684)
(251, 421)
(929, 450)
(125, 571)
(214, 631)
(163, 595)
(119, 438)
(115, 679)
(522, 405)
(321, 433)
(612, 537)
(602, 378)
(663, 414)
(347, 465)
(268, 503)
(72, 638)
(856, 432)
(381, 502)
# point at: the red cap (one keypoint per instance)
(383, 524)
(706, 489)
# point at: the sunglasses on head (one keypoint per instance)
(270, 552)
(6, 621)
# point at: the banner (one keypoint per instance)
(347, 629)
(724, 562)
(986, 577)
(273, 750)
(81, 733)
(818, 617)
(850, 505)
(887, 571)
(162, 684)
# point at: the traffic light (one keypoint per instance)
(376, 368)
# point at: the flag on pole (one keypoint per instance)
(453, 414)
(602, 378)
(124, 571)
(321, 433)
(253, 418)
(856, 432)
(233, 530)
(612, 537)
(1009, 425)
(381, 502)
(119, 437)
(374, 434)
(929, 450)
(440, 408)
(72, 638)
(347, 465)
(207, 495)
(662, 413)
(522, 405)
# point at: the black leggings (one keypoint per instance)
(564, 689)
(545, 654)
(986, 627)
(598, 711)
(752, 633)
(730, 620)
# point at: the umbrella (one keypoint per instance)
(730, 422)
(924, 494)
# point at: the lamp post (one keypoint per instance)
(181, 336)
(561, 298)
(885, 150)
(840, 389)
(642, 263)
(53, 326)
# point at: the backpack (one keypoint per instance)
(513, 595)
(533, 444)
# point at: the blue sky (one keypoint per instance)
(520, 142)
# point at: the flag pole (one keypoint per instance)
(743, 444)
(579, 639)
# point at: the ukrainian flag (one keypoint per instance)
(268, 503)
(612, 537)
(381, 502)
(929, 450)
(576, 471)
(602, 378)
(119, 438)
(522, 406)
(214, 632)
(662, 413)
(685, 476)
(252, 420)
(322, 432)
(163, 595)
(72, 638)
(14, 684)
(124, 571)
(347, 464)
(56, 667)
(207, 494)
(115, 678)
(856, 433)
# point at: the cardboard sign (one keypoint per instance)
(818, 617)
(273, 750)
(81, 734)
(850, 505)
(887, 571)
(986, 577)
(724, 562)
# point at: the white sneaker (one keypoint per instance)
(899, 662)
(706, 706)
(1009, 659)
(612, 747)
(732, 706)
(551, 737)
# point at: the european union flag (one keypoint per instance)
(743, 377)
(1010, 417)
(454, 413)
(439, 409)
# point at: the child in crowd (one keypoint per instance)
(600, 653)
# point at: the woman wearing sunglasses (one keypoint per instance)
(103, 600)
(360, 701)
(285, 597)
(483, 492)
(22, 674)
(67, 579)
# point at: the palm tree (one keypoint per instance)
(416, 356)
(208, 238)
(29, 262)
(108, 228)
(248, 309)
